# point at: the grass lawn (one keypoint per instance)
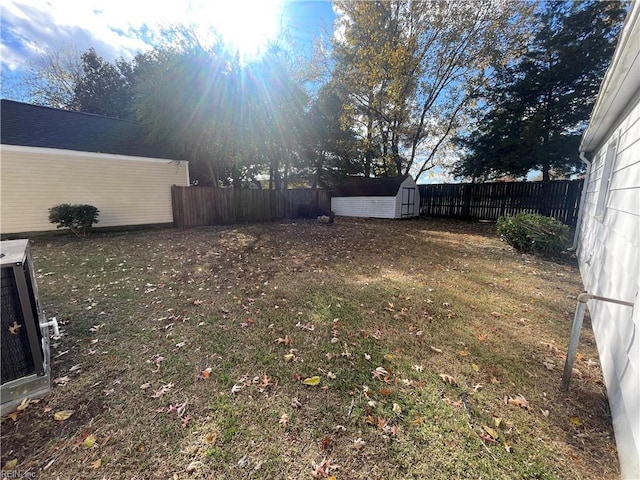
(421, 349)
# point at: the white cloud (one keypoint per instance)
(117, 28)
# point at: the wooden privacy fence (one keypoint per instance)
(559, 199)
(195, 206)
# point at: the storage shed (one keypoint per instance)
(608, 237)
(52, 156)
(384, 197)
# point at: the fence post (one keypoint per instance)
(466, 200)
(571, 203)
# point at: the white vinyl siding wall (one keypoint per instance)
(126, 190)
(365, 207)
(609, 259)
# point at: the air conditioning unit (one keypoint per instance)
(24, 336)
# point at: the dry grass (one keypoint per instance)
(420, 332)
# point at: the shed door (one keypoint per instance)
(408, 202)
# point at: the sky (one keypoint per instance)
(123, 28)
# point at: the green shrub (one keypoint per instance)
(533, 233)
(77, 218)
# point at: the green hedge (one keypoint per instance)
(533, 233)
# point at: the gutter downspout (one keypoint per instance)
(584, 159)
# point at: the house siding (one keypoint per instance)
(126, 190)
(609, 260)
(365, 207)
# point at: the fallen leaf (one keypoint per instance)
(61, 380)
(508, 448)
(24, 404)
(475, 367)
(289, 357)
(63, 415)
(518, 401)
(463, 353)
(237, 388)
(89, 442)
(437, 350)
(385, 392)
(388, 357)
(576, 421)
(486, 438)
(397, 409)
(13, 416)
(312, 381)
(545, 413)
(381, 423)
(10, 465)
(206, 373)
(325, 443)
(186, 420)
(265, 384)
(97, 464)
(14, 328)
(193, 466)
(447, 379)
(284, 419)
(490, 431)
(162, 390)
(145, 386)
(379, 372)
(286, 340)
(358, 443)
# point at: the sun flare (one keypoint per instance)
(246, 26)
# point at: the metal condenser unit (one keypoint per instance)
(24, 330)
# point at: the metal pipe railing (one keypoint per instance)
(578, 318)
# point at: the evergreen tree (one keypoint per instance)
(540, 106)
(104, 88)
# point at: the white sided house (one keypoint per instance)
(608, 237)
(51, 156)
(384, 197)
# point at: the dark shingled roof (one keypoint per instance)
(35, 126)
(370, 187)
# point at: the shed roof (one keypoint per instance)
(371, 187)
(29, 125)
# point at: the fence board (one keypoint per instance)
(489, 201)
(196, 206)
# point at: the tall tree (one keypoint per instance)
(51, 78)
(183, 102)
(332, 149)
(104, 88)
(541, 104)
(409, 69)
(229, 119)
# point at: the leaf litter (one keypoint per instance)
(221, 272)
